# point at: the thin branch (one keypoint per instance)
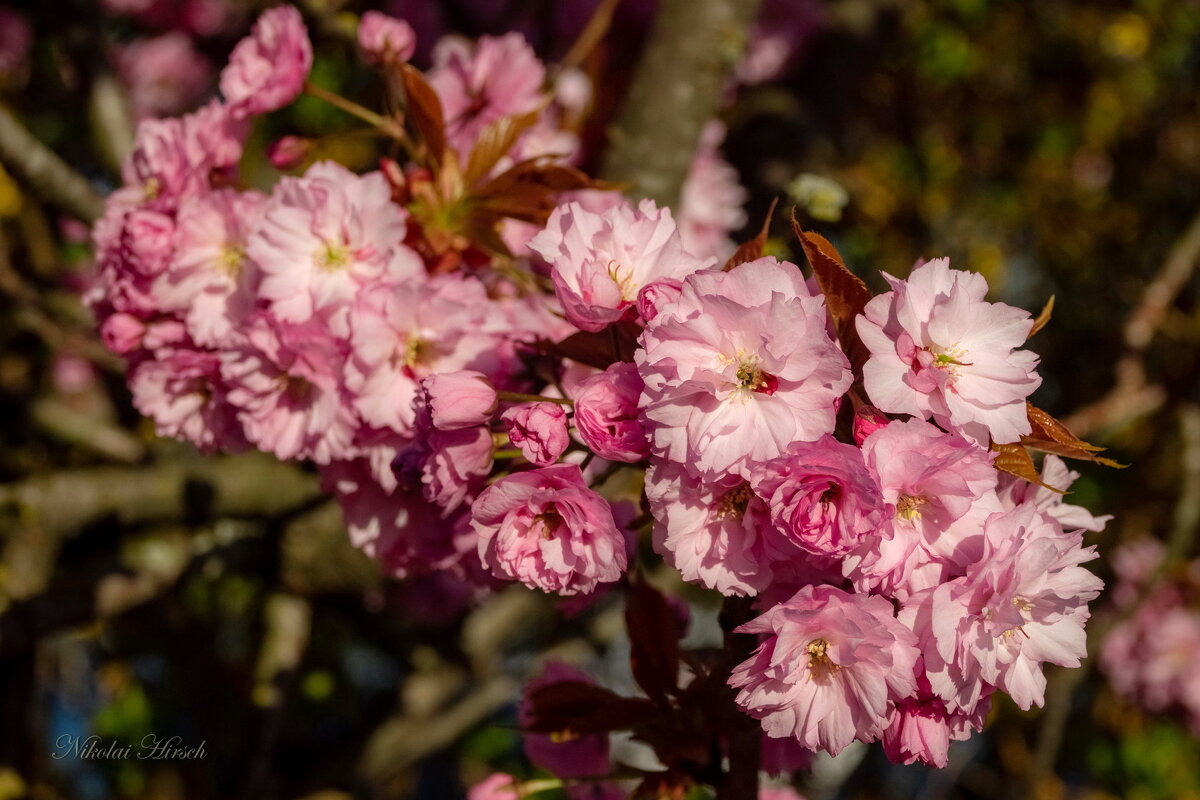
(44, 172)
(677, 89)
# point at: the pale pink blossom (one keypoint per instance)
(739, 368)
(606, 414)
(938, 349)
(714, 532)
(578, 756)
(600, 261)
(939, 490)
(326, 237)
(822, 498)
(538, 429)
(1023, 603)
(285, 382)
(921, 728)
(480, 83)
(495, 787)
(460, 399)
(384, 39)
(210, 283)
(401, 334)
(447, 466)
(147, 242)
(546, 529)
(182, 390)
(830, 670)
(267, 69)
(1015, 491)
(163, 74)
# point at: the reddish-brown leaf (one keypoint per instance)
(584, 708)
(654, 632)
(1015, 460)
(1042, 318)
(845, 293)
(494, 142)
(615, 343)
(424, 109)
(1051, 436)
(753, 249)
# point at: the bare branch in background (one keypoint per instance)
(44, 172)
(677, 89)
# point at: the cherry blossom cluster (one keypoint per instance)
(468, 403)
(1150, 656)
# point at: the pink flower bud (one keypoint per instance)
(867, 420)
(289, 152)
(122, 333)
(606, 414)
(539, 429)
(385, 40)
(656, 296)
(459, 399)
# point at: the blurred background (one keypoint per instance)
(1053, 146)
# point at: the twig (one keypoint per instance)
(677, 89)
(744, 734)
(44, 172)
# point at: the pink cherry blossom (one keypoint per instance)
(654, 297)
(495, 787)
(478, 84)
(714, 532)
(578, 756)
(938, 349)
(600, 261)
(921, 728)
(546, 529)
(267, 69)
(822, 498)
(326, 237)
(210, 282)
(122, 333)
(460, 399)
(285, 382)
(384, 39)
(164, 74)
(710, 206)
(538, 429)
(1014, 492)
(1022, 604)
(739, 368)
(606, 414)
(867, 420)
(446, 466)
(181, 389)
(830, 670)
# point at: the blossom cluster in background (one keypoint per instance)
(468, 385)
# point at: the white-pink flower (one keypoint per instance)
(210, 282)
(830, 670)
(326, 237)
(1022, 604)
(600, 261)
(714, 532)
(939, 350)
(267, 69)
(384, 39)
(547, 529)
(739, 368)
(1014, 491)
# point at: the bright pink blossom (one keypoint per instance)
(546, 529)
(822, 498)
(600, 261)
(938, 349)
(830, 670)
(1022, 604)
(739, 368)
(267, 69)
(539, 429)
(606, 414)
(714, 532)
(384, 39)
(578, 756)
(921, 728)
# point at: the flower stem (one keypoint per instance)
(520, 397)
(352, 108)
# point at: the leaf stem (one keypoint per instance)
(521, 397)
(352, 108)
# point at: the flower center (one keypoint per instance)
(151, 188)
(909, 507)
(949, 360)
(548, 520)
(749, 375)
(734, 502)
(333, 257)
(623, 279)
(230, 260)
(819, 662)
(416, 351)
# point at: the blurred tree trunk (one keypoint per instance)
(678, 87)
